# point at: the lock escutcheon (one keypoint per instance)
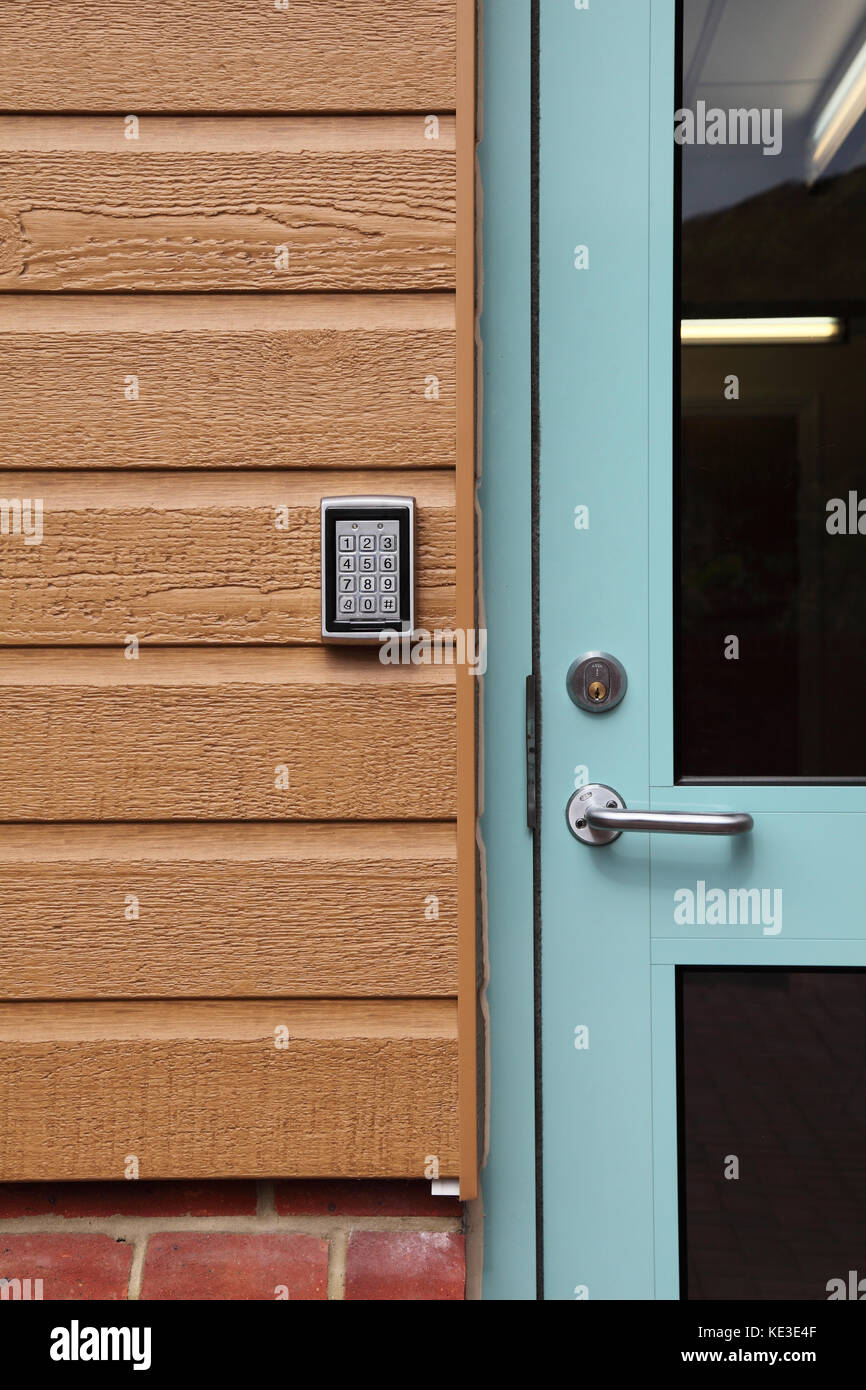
(596, 681)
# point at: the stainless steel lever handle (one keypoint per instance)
(672, 822)
(597, 815)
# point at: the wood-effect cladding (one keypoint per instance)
(240, 203)
(356, 1088)
(228, 55)
(256, 381)
(237, 868)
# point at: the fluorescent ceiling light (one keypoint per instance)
(760, 330)
(839, 116)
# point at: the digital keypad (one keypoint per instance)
(367, 566)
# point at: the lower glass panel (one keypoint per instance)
(772, 1100)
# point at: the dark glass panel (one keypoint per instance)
(771, 474)
(773, 1133)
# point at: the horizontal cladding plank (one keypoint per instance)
(288, 734)
(225, 55)
(164, 381)
(166, 314)
(107, 911)
(203, 135)
(256, 203)
(235, 1020)
(227, 381)
(189, 558)
(242, 1089)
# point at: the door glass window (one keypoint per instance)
(770, 133)
(773, 1133)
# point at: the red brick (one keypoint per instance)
(70, 1266)
(356, 1197)
(134, 1198)
(237, 1267)
(421, 1265)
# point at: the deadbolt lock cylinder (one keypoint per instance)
(596, 682)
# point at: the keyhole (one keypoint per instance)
(597, 691)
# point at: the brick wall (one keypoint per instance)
(232, 1240)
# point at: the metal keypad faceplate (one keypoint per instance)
(367, 567)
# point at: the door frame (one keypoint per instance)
(506, 445)
(601, 107)
(541, 81)
(543, 191)
(606, 402)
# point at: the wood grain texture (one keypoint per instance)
(200, 1090)
(255, 203)
(250, 910)
(225, 55)
(259, 381)
(175, 557)
(200, 735)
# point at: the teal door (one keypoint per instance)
(701, 464)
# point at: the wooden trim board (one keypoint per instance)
(467, 685)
